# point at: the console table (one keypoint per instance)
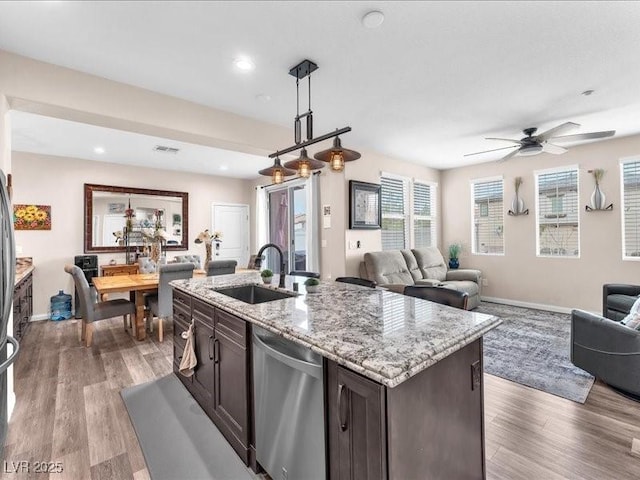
(118, 269)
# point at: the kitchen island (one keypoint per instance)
(403, 376)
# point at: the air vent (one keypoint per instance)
(165, 149)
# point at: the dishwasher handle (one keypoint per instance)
(315, 370)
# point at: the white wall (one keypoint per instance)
(59, 182)
(522, 276)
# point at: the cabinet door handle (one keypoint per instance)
(211, 355)
(216, 351)
(343, 423)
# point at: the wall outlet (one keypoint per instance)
(485, 282)
(353, 244)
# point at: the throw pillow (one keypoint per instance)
(633, 319)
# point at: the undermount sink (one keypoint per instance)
(254, 294)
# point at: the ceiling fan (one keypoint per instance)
(534, 144)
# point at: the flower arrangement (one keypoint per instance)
(208, 238)
(454, 253)
(598, 173)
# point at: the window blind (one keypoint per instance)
(558, 227)
(488, 217)
(423, 222)
(394, 221)
(631, 208)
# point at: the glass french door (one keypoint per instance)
(288, 227)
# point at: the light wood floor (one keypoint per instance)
(69, 410)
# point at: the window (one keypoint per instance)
(557, 221)
(424, 229)
(408, 213)
(488, 216)
(631, 209)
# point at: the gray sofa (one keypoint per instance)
(606, 349)
(395, 269)
(617, 300)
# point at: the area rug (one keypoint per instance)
(532, 347)
(177, 438)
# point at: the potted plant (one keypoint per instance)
(266, 275)
(454, 253)
(311, 285)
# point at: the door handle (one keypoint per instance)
(216, 351)
(343, 423)
(209, 347)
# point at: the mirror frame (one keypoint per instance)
(89, 188)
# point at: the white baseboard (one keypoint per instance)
(535, 306)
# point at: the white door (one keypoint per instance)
(112, 223)
(233, 222)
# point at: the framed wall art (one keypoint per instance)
(365, 210)
(32, 217)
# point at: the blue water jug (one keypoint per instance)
(61, 306)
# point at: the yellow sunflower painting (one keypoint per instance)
(32, 217)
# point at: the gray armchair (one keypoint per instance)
(161, 305)
(617, 300)
(221, 267)
(93, 311)
(608, 350)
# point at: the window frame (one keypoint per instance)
(472, 184)
(623, 162)
(546, 171)
(409, 217)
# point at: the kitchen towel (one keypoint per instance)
(189, 360)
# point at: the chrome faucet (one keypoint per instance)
(259, 260)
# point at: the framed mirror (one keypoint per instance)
(104, 217)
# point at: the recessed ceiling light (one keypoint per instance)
(373, 19)
(224, 167)
(586, 93)
(244, 64)
(99, 150)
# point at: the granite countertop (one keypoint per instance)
(385, 336)
(24, 266)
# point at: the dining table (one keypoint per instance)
(139, 284)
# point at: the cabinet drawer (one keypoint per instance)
(182, 300)
(232, 327)
(181, 315)
(203, 312)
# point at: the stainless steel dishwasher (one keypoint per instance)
(289, 408)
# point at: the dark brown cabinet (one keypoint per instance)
(356, 424)
(22, 306)
(431, 426)
(221, 380)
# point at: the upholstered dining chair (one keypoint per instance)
(195, 259)
(92, 310)
(442, 295)
(221, 267)
(161, 305)
(146, 265)
(357, 281)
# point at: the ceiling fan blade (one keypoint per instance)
(505, 140)
(565, 127)
(584, 136)
(555, 149)
(508, 156)
(487, 151)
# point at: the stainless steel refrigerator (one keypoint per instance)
(7, 283)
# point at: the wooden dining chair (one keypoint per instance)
(161, 305)
(93, 310)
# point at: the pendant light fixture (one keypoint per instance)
(303, 164)
(277, 172)
(336, 156)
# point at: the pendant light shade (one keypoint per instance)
(337, 155)
(304, 165)
(277, 172)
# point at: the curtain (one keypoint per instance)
(313, 224)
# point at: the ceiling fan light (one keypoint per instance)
(529, 150)
(336, 162)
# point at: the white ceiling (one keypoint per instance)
(427, 86)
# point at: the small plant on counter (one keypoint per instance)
(311, 285)
(266, 275)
